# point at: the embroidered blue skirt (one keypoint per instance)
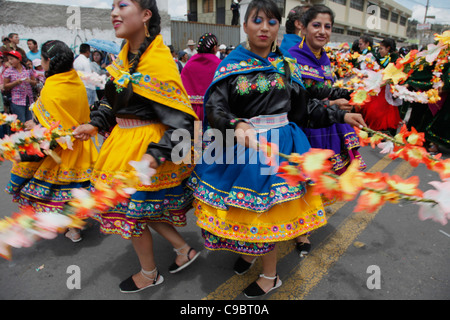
(243, 206)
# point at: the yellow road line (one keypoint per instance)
(231, 288)
(304, 277)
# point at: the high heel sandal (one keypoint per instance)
(254, 290)
(174, 268)
(129, 286)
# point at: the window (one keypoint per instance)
(338, 30)
(343, 2)
(281, 6)
(208, 6)
(394, 17)
(402, 21)
(357, 4)
(353, 33)
(384, 14)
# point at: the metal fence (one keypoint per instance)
(182, 31)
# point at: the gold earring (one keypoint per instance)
(248, 45)
(147, 34)
(274, 46)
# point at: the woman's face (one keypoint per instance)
(383, 50)
(128, 18)
(262, 31)
(13, 61)
(363, 45)
(318, 31)
(45, 63)
(97, 57)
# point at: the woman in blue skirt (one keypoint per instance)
(240, 203)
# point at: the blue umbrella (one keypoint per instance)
(104, 45)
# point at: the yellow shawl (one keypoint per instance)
(156, 78)
(63, 99)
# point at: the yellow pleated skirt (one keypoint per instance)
(166, 199)
(282, 222)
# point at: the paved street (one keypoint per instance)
(412, 257)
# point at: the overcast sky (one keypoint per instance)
(177, 8)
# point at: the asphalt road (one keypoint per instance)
(387, 255)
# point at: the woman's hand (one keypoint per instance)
(355, 120)
(29, 125)
(152, 161)
(246, 135)
(342, 103)
(85, 132)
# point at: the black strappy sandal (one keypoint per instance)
(303, 248)
(128, 286)
(174, 268)
(255, 291)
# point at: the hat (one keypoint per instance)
(222, 47)
(181, 54)
(15, 54)
(36, 62)
(191, 43)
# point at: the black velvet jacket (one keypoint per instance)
(103, 116)
(249, 95)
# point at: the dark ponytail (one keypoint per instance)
(60, 55)
(388, 42)
(295, 14)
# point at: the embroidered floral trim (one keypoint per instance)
(56, 176)
(260, 233)
(161, 180)
(213, 242)
(262, 84)
(244, 199)
(39, 107)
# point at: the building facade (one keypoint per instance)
(378, 18)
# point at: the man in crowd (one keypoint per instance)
(83, 64)
(221, 52)
(5, 45)
(235, 6)
(34, 52)
(13, 45)
(183, 58)
(190, 50)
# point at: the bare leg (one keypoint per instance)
(269, 266)
(169, 232)
(144, 249)
(303, 238)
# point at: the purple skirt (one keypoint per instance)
(342, 139)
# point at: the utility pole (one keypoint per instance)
(426, 12)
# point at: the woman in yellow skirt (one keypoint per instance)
(43, 183)
(145, 103)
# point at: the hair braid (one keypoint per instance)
(60, 55)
